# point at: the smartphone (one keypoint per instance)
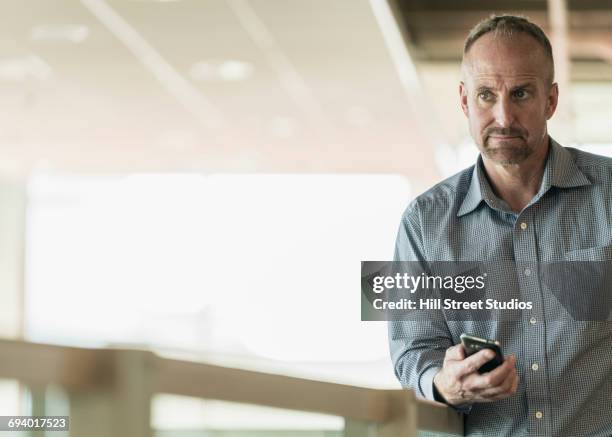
(473, 344)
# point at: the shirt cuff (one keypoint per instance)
(426, 383)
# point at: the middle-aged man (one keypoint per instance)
(527, 199)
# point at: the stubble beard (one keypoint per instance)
(507, 152)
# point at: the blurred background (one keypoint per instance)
(201, 178)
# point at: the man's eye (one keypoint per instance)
(485, 95)
(520, 94)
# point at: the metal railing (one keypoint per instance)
(110, 391)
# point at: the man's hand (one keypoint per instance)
(459, 381)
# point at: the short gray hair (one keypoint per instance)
(507, 26)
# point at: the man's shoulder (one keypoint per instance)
(597, 168)
(446, 194)
(586, 160)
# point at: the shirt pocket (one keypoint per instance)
(597, 253)
(582, 283)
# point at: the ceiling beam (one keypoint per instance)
(558, 19)
(396, 36)
(188, 95)
(593, 46)
(290, 78)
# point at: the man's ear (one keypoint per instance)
(553, 99)
(464, 98)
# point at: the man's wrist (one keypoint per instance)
(437, 394)
(438, 397)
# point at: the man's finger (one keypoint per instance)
(500, 374)
(514, 387)
(504, 389)
(455, 353)
(474, 362)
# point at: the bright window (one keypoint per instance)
(244, 266)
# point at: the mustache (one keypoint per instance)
(506, 132)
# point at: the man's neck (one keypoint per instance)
(517, 184)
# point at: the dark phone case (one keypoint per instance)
(471, 347)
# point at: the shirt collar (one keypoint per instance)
(479, 190)
(560, 171)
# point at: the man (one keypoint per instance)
(527, 199)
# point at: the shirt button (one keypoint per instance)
(523, 226)
(535, 366)
(527, 271)
(539, 414)
(533, 321)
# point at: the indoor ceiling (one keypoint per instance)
(261, 85)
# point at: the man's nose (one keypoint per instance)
(504, 112)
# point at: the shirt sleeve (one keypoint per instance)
(417, 346)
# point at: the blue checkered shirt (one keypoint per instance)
(564, 365)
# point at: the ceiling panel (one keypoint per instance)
(80, 91)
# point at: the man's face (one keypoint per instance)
(507, 96)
